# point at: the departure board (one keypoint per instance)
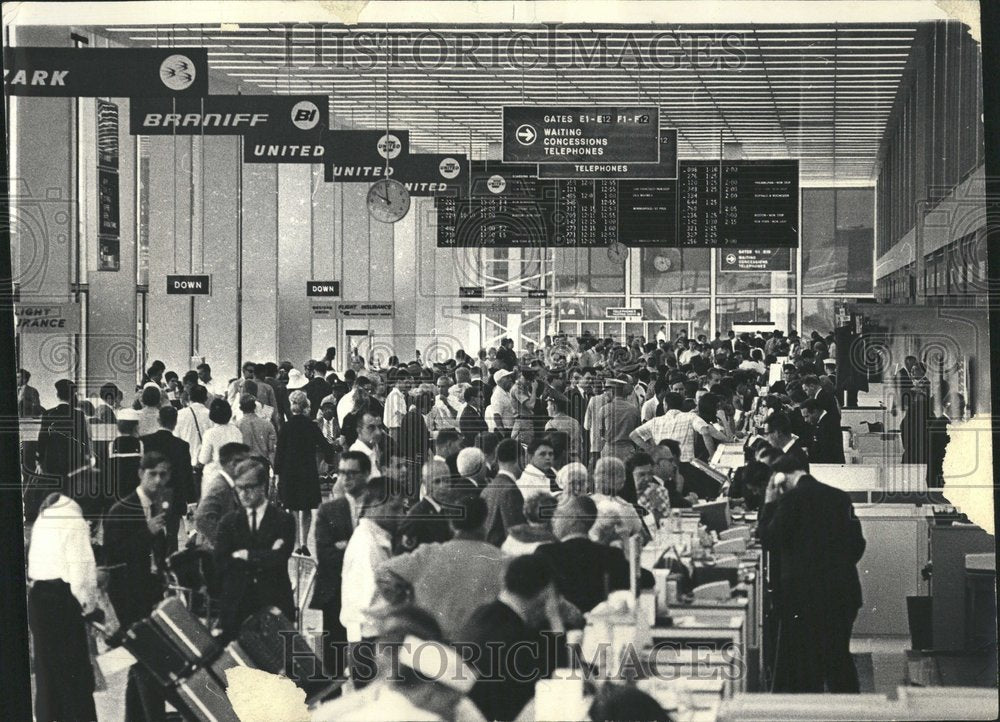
(738, 203)
(647, 212)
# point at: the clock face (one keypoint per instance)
(388, 200)
(617, 252)
(662, 263)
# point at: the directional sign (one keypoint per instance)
(105, 72)
(666, 169)
(573, 134)
(493, 306)
(471, 291)
(189, 285)
(748, 260)
(322, 289)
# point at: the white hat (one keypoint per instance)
(470, 461)
(296, 380)
(128, 415)
(501, 374)
(331, 400)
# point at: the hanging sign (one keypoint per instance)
(330, 289)
(105, 72)
(623, 313)
(431, 174)
(283, 118)
(747, 260)
(108, 231)
(359, 156)
(574, 134)
(189, 285)
(364, 309)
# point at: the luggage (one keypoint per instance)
(273, 645)
(184, 630)
(232, 656)
(203, 699)
(156, 652)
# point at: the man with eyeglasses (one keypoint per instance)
(251, 553)
(367, 443)
(336, 521)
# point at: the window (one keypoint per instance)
(779, 311)
(587, 270)
(674, 270)
(837, 240)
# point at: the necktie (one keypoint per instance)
(253, 522)
(328, 428)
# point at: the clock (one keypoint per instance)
(617, 252)
(388, 200)
(662, 263)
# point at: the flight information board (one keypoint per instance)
(746, 204)
(738, 203)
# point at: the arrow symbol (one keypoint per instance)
(526, 134)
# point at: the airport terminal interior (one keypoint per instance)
(361, 345)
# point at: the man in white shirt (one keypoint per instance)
(369, 435)
(213, 386)
(193, 422)
(675, 423)
(444, 414)
(369, 547)
(501, 405)
(648, 410)
(535, 479)
(396, 404)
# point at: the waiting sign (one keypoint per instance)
(572, 134)
(749, 260)
(48, 317)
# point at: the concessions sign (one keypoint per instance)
(577, 134)
(359, 156)
(747, 260)
(666, 169)
(298, 118)
(105, 72)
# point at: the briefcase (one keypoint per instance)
(156, 652)
(185, 631)
(232, 656)
(273, 645)
(203, 699)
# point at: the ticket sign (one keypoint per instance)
(329, 289)
(623, 313)
(666, 169)
(105, 72)
(575, 134)
(189, 285)
(47, 317)
(748, 260)
(277, 118)
(364, 309)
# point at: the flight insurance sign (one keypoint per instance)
(571, 134)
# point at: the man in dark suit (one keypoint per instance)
(824, 397)
(28, 402)
(135, 542)
(219, 496)
(585, 571)
(178, 453)
(504, 501)
(64, 436)
(470, 421)
(527, 605)
(778, 432)
(252, 552)
(335, 523)
(827, 445)
(318, 388)
(812, 530)
(427, 521)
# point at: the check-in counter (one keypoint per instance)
(877, 483)
(856, 418)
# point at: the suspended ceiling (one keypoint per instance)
(820, 93)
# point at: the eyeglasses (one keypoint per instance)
(243, 488)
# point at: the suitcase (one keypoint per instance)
(203, 699)
(156, 652)
(232, 656)
(185, 631)
(273, 645)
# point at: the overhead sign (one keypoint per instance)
(322, 288)
(604, 170)
(108, 235)
(538, 293)
(364, 309)
(572, 134)
(624, 313)
(105, 72)
(431, 174)
(297, 119)
(359, 156)
(746, 260)
(47, 317)
(471, 292)
(189, 285)
(497, 306)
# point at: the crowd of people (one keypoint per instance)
(475, 500)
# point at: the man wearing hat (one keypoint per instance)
(617, 419)
(501, 407)
(328, 425)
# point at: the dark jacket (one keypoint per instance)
(217, 500)
(333, 531)
(586, 571)
(471, 423)
(827, 441)
(178, 453)
(504, 508)
(129, 547)
(317, 389)
(500, 694)
(295, 462)
(262, 580)
(63, 440)
(818, 540)
(424, 525)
